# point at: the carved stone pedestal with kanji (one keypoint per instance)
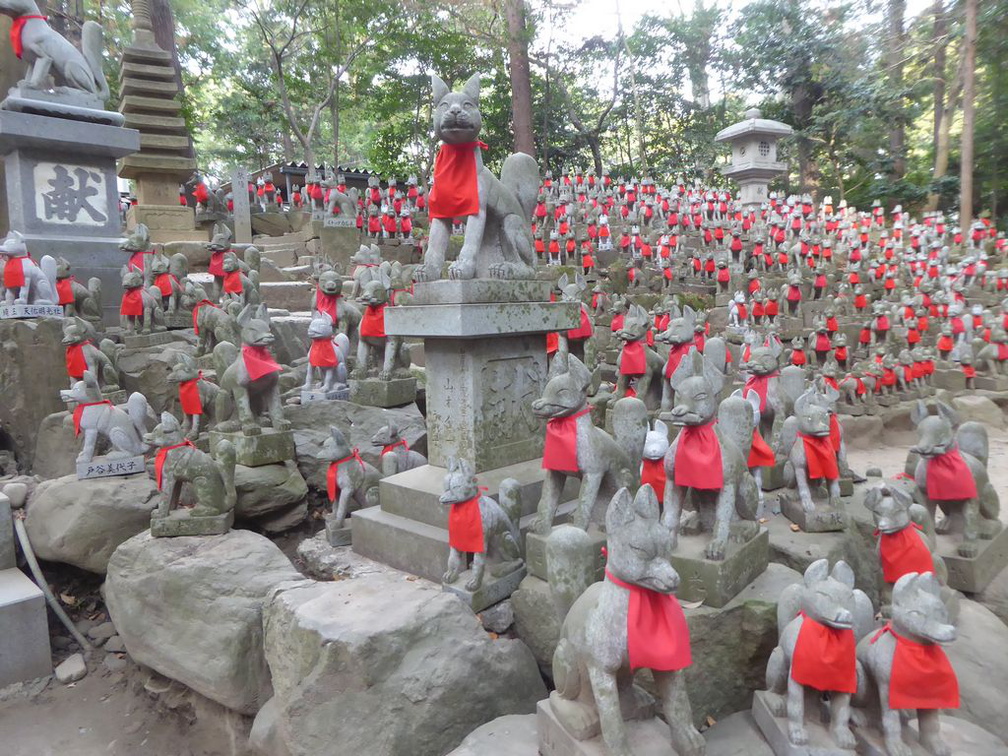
(485, 364)
(499, 582)
(715, 583)
(822, 519)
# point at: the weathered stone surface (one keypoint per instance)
(264, 492)
(385, 666)
(981, 665)
(270, 224)
(82, 522)
(536, 621)
(861, 431)
(736, 735)
(71, 670)
(146, 370)
(32, 371)
(511, 735)
(55, 447)
(978, 408)
(995, 596)
(291, 332)
(359, 424)
(499, 617)
(191, 609)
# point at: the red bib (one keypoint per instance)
(465, 527)
(922, 676)
(64, 291)
(75, 362)
(456, 189)
(78, 413)
(632, 358)
(835, 435)
(217, 264)
(389, 447)
(132, 303)
(233, 282)
(162, 457)
(164, 282)
(760, 453)
(760, 384)
(372, 324)
(824, 657)
(653, 474)
(13, 274)
(560, 451)
(675, 356)
(322, 354)
(259, 361)
(698, 458)
(820, 457)
(949, 478)
(195, 313)
(189, 398)
(332, 487)
(902, 552)
(657, 632)
(617, 322)
(17, 27)
(584, 330)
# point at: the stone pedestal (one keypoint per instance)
(180, 522)
(959, 735)
(972, 575)
(535, 553)
(21, 311)
(372, 392)
(992, 382)
(717, 583)
(494, 588)
(647, 736)
(486, 363)
(823, 519)
(775, 730)
(62, 193)
(317, 395)
(269, 447)
(136, 340)
(24, 631)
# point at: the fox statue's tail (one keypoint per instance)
(94, 288)
(225, 455)
(520, 174)
(91, 48)
(137, 409)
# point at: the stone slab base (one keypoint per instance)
(143, 340)
(110, 467)
(972, 575)
(854, 410)
(952, 379)
(535, 554)
(717, 583)
(775, 730)
(492, 591)
(178, 321)
(267, 448)
(24, 630)
(959, 735)
(375, 393)
(992, 382)
(317, 395)
(17, 311)
(339, 536)
(825, 519)
(180, 523)
(647, 737)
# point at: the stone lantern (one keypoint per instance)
(754, 154)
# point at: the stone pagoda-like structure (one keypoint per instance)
(754, 154)
(149, 103)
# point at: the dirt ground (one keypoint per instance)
(128, 712)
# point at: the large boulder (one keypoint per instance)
(513, 735)
(82, 522)
(388, 666)
(191, 609)
(32, 372)
(56, 448)
(268, 491)
(146, 370)
(981, 664)
(358, 422)
(291, 332)
(978, 408)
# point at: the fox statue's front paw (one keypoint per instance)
(385, 375)
(425, 272)
(462, 270)
(968, 549)
(715, 550)
(896, 747)
(797, 734)
(473, 584)
(844, 737)
(450, 576)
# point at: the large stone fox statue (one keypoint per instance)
(498, 212)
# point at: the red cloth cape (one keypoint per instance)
(922, 676)
(322, 354)
(835, 435)
(657, 632)
(617, 322)
(189, 397)
(217, 263)
(327, 303)
(258, 361)
(584, 330)
(675, 356)
(389, 447)
(560, 450)
(17, 27)
(760, 384)
(162, 457)
(653, 474)
(164, 283)
(75, 362)
(902, 552)
(78, 413)
(824, 657)
(195, 313)
(13, 274)
(372, 323)
(820, 457)
(632, 358)
(455, 193)
(465, 527)
(332, 487)
(233, 282)
(64, 291)
(949, 478)
(698, 458)
(760, 453)
(132, 303)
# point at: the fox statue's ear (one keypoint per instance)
(948, 413)
(621, 511)
(902, 497)
(873, 496)
(645, 503)
(918, 412)
(472, 88)
(843, 573)
(816, 572)
(438, 88)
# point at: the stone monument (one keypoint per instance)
(754, 154)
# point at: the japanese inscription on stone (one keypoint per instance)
(70, 194)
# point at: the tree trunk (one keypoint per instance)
(163, 23)
(969, 97)
(895, 49)
(521, 76)
(334, 117)
(940, 46)
(288, 145)
(596, 151)
(802, 101)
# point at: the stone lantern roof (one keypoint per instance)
(753, 126)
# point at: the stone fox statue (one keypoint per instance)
(498, 236)
(46, 52)
(602, 641)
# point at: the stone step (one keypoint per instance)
(132, 103)
(281, 258)
(131, 86)
(286, 295)
(156, 123)
(163, 142)
(146, 55)
(135, 70)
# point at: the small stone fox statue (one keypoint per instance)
(77, 299)
(637, 361)
(498, 232)
(480, 526)
(907, 668)
(951, 475)
(327, 356)
(806, 443)
(197, 397)
(23, 281)
(574, 446)
(820, 619)
(82, 354)
(601, 643)
(376, 350)
(350, 481)
(211, 479)
(396, 456)
(95, 416)
(140, 310)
